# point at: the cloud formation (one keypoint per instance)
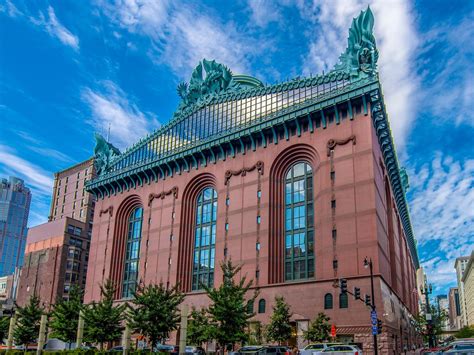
(51, 24)
(111, 108)
(183, 35)
(34, 176)
(397, 41)
(442, 196)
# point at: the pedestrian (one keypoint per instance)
(295, 351)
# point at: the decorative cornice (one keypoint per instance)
(162, 195)
(382, 128)
(229, 173)
(109, 210)
(332, 143)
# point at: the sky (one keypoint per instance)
(71, 68)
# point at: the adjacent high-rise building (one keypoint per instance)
(443, 307)
(15, 200)
(468, 283)
(57, 252)
(460, 265)
(298, 182)
(454, 309)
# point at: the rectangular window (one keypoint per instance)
(333, 204)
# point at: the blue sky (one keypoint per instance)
(70, 68)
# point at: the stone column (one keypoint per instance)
(80, 330)
(42, 334)
(183, 329)
(11, 329)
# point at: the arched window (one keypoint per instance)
(261, 306)
(328, 301)
(132, 253)
(299, 216)
(205, 239)
(343, 300)
(250, 307)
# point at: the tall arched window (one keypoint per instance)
(299, 216)
(343, 300)
(132, 252)
(205, 239)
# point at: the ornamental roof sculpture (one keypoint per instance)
(104, 153)
(361, 55)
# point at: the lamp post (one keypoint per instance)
(368, 264)
(426, 290)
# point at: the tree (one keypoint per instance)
(28, 322)
(437, 319)
(4, 326)
(465, 332)
(279, 329)
(229, 311)
(155, 313)
(198, 327)
(65, 316)
(103, 319)
(319, 329)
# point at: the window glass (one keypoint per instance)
(205, 239)
(132, 252)
(299, 216)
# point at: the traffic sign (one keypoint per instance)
(373, 317)
(374, 329)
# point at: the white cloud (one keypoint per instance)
(51, 24)
(263, 12)
(397, 42)
(33, 175)
(451, 83)
(110, 107)
(442, 213)
(183, 35)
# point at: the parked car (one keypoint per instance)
(195, 350)
(461, 348)
(316, 349)
(343, 349)
(264, 349)
(114, 349)
(167, 348)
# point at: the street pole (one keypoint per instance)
(426, 292)
(376, 350)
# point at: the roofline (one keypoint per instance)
(467, 271)
(90, 160)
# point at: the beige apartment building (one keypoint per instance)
(468, 282)
(460, 265)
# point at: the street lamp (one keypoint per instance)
(426, 290)
(368, 264)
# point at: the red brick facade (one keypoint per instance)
(363, 214)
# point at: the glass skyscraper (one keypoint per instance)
(15, 200)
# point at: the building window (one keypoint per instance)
(132, 254)
(250, 307)
(205, 239)
(328, 301)
(343, 300)
(299, 216)
(261, 306)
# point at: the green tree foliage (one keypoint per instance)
(279, 329)
(103, 319)
(198, 327)
(465, 332)
(229, 311)
(4, 326)
(28, 322)
(437, 319)
(65, 316)
(155, 312)
(319, 329)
